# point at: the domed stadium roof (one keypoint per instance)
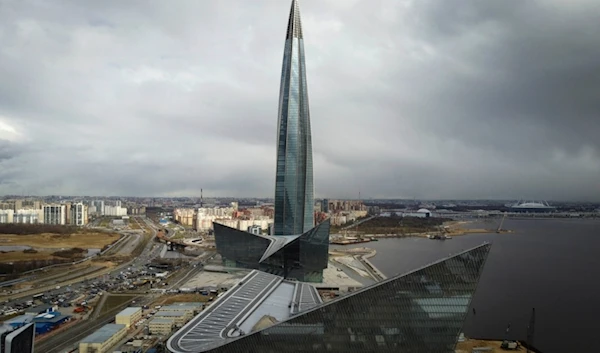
(423, 210)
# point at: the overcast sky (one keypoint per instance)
(424, 99)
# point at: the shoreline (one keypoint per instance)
(451, 229)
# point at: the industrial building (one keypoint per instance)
(160, 326)
(103, 339)
(421, 311)
(47, 322)
(129, 316)
(44, 322)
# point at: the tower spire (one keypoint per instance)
(294, 29)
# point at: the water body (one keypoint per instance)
(9, 248)
(552, 265)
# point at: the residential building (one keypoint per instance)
(79, 214)
(184, 216)
(115, 211)
(68, 213)
(55, 214)
(192, 308)
(179, 317)
(6, 216)
(28, 216)
(18, 205)
(161, 326)
(255, 230)
(294, 193)
(129, 316)
(136, 210)
(103, 339)
(99, 207)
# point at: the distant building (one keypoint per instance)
(79, 214)
(67, 212)
(18, 205)
(47, 322)
(104, 339)
(28, 216)
(184, 216)
(161, 326)
(421, 213)
(55, 214)
(254, 229)
(532, 207)
(128, 316)
(325, 205)
(99, 207)
(6, 216)
(115, 211)
(136, 210)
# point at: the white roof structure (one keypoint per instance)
(237, 311)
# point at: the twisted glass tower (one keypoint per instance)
(294, 194)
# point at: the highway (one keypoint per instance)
(68, 339)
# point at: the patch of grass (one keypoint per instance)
(73, 253)
(114, 301)
(14, 256)
(400, 225)
(84, 240)
(185, 298)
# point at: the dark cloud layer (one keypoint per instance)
(425, 99)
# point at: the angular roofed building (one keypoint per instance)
(422, 311)
(301, 257)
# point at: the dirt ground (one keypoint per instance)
(91, 240)
(468, 345)
(182, 298)
(21, 256)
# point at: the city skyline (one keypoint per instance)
(422, 100)
(294, 190)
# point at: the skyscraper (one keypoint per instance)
(294, 193)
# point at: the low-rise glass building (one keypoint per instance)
(301, 257)
(422, 311)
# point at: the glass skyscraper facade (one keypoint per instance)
(294, 192)
(306, 250)
(301, 257)
(419, 312)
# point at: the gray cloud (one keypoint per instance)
(425, 99)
